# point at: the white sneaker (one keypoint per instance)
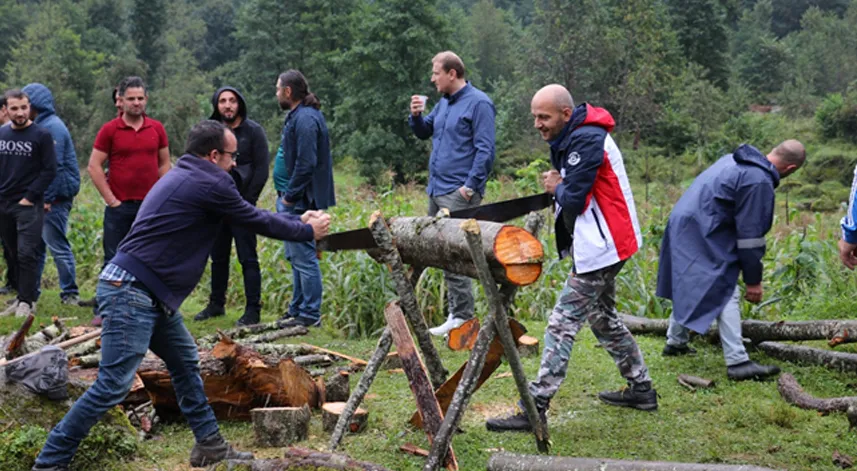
(23, 309)
(451, 323)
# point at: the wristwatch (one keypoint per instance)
(468, 191)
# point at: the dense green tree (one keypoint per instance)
(148, 21)
(219, 45)
(700, 26)
(491, 45)
(761, 60)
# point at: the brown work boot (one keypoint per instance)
(214, 449)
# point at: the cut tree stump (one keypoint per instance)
(337, 388)
(299, 459)
(280, 426)
(528, 346)
(516, 462)
(463, 337)
(514, 255)
(331, 411)
(418, 377)
(838, 361)
(794, 394)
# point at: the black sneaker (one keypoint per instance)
(677, 350)
(287, 316)
(251, 316)
(299, 321)
(49, 467)
(519, 422)
(640, 396)
(209, 312)
(87, 302)
(215, 449)
(751, 370)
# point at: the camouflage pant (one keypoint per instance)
(590, 296)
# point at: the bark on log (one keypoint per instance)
(236, 333)
(516, 462)
(44, 336)
(418, 378)
(794, 394)
(280, 350)
(356, 361)
(514, 255)
(269, 337)
(280, 426)
(332, 411)
(844, 362)
(412, 449)
(362, 388)
(407, 297)
(15, 346)
(236, 379)
(337, 388)
(464, 336)
(63, 345)
(313, 359)
(695, 382)
(528, 346)
(86, 348)
(299, 459)
(86, 361)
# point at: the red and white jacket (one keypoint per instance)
(594, 200)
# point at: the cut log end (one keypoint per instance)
(280, 426)
(464, 336)
(331, 411)
(520, 253)
(528, 346)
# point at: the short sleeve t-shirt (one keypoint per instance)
(132, 156)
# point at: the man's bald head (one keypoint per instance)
(788, 156)
(552, 107)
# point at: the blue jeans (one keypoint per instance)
(133, 323)
(306, 274)
(729, 324)
(54, 238)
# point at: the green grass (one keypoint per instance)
(733, 423)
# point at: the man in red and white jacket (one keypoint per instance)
(596, 222)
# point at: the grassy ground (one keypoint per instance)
(733, 423)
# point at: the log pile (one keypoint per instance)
(299, 459)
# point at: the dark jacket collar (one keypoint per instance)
(457, 95)
(746, 154)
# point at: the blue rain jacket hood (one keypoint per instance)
(716, 230)
(66, 184)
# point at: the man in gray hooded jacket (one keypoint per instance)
(60, 194)
(250, 175)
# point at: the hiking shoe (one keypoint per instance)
(519, 422)
(209, 312)
(24, 309)
(751, 370)
(640, 396)
(214, 449)
(49, 467)
(300, 321)
(452, 322)
(70, 299)
(87, 302)
(677, 350)
(251, 316)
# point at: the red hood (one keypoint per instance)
(588, 115)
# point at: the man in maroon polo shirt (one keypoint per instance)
(136, 149)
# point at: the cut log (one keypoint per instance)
(15, 347)
(407, 297)
(248, 330)
(412, 449)
(528, 346)
(794, 394)
(392, 361)
(515, 256)
(279, 350)
(337, 388)
(269, 337)
(366, 379)
(464, 336)
(417, 377)
(299, 459)
(280, 426)
(86, 348)
(63, 345)
(86, 361)
(356, 361)
(313, 359)
(332, 411)
(493, 360)
(693, 382)
(836, 332)
(516, 462)
(844, 362)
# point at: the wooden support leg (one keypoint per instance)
(362, 388)
(407, 297)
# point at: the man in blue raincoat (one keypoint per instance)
(716, 230)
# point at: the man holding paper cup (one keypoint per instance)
(461, 126)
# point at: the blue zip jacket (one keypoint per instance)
(306, 153)
(461, 126)
(172, 235)
(66, 183)
(716, 230)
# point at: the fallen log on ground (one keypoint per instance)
(299, 459)
(63, 345)
(516, 462)
(514, 255)
(280, 426)
(838, 361)
(794, 394)
(836, 332)
(248, 330)
(236, 379)
(693, 382)
(356, 361)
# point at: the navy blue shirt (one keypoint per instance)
(462, 130)
(173, 234)
(306, 154)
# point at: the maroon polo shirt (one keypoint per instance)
(132, 156)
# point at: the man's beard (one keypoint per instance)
(20, 121)
(228, 119)
(284, 105)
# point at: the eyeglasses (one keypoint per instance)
(234, 155)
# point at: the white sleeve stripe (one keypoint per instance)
(751, 243)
